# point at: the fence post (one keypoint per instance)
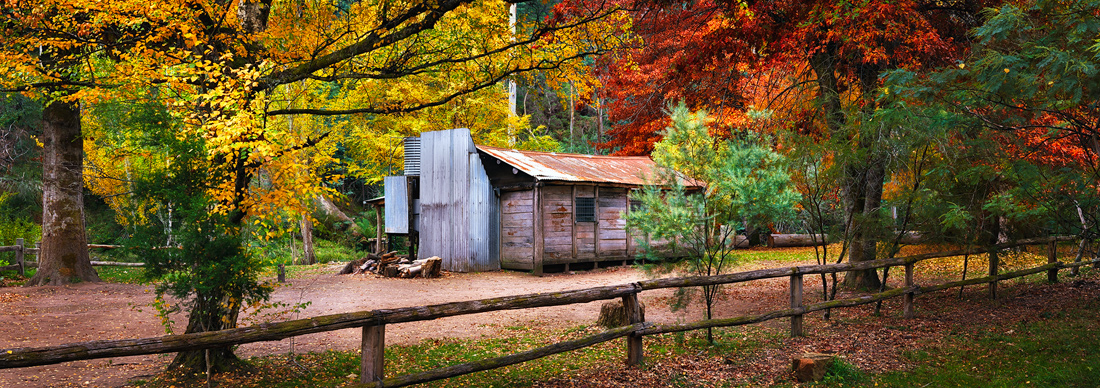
(994, 262)
(634, 350)
(1076, 270)
(1052, 257)
(373, 354)
(796, 302)
(908, 301)
(19, 257)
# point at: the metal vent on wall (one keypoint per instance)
(586, 209)
(412, 156)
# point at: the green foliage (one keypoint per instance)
(1014, 127)
(12, 228)
(20, 157)
(742, 183)
(196, 256)
(841, 372)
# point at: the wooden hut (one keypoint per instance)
(485, 208)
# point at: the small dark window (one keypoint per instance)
(586, 210)
(635, 205)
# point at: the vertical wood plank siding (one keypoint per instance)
(516, 232)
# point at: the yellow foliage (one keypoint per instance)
(234, 82)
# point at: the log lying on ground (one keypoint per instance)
(423, 268)
(796, 240)
(911, 238)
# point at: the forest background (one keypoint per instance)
(227, 128)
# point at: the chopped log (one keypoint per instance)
(390, 270)
(410, 271)
(432, 266)
(796, 240)
(811, 366)
(612, 314)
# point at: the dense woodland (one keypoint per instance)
(228, 128)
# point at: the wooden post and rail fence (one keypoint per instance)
(22, 251)
(373, 323)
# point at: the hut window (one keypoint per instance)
(635, 205)
(586, 210)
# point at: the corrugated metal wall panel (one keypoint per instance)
(397, 204)
(481, 218)
(430, 201)
(455, 170)
(457, 215)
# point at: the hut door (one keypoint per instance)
(585, 222)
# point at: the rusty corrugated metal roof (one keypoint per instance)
(554, 166)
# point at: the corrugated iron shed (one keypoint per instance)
(553, 166)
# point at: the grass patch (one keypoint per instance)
(125, 275)
(333, 369)
(1050, 353)
(328, 252)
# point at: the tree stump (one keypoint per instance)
(612, 314)
(811, 366)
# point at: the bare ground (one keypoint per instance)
(41, 316)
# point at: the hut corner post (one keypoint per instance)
(634, 350)
(539, 240)
(373, 354)
(796, 302)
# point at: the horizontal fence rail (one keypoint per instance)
(373, 322)
(21, 251)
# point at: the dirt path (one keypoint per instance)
(56, 315)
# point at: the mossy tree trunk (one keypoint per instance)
(63, 258)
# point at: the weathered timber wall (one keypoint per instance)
(516, 229)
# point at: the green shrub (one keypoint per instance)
(12, 228)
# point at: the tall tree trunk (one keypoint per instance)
(64, 256)
(307, 241)
(862, 186)
(211, 311)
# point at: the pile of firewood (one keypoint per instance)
(393, 266)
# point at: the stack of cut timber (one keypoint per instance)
(372, 263)
(391, 265)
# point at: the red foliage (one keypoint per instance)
(725, 56)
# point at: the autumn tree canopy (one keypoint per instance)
(234, 74)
